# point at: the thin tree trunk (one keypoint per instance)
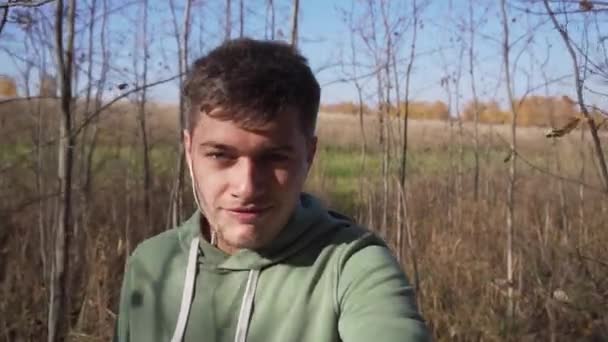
(360, 112)
(92, 12)
(371, 43)
(128, 201)
(382, 141)
(182, 43)
(475, 101)
(512, 166)
(411, 247)
(459, 191)
(581, 193)
(408, 73)
(142, 118)
(363, 156)
(41, 189)
(228, 19)
(88, 183)
(58, 320)
(272, 19)
(405, 226)
(451, 181)
(294, 23)
(562, 199)
(399, 247)
(386, 151)
(241, 19)
(85, 130)
(82, 217)
(385, 182)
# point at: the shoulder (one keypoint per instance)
(163, 248)
(157, 244)
(353, 237)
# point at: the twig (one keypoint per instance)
(92, 115)
(547, 172)
(579, 92)
(25, 3)
(600, 262)
(28, 98)
(3, 19)
(573, 11)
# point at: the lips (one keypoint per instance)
(248, 214)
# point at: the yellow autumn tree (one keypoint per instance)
(545, 111)
(436, 110)
(8, 86)
(489, 112)
(344, 108)
(534, 110)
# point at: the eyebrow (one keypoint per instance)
(220, 146)
(216, 145)
(281, 148)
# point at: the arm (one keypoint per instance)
(375, 300)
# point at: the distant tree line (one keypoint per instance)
(540, 111)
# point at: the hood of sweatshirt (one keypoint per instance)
(309, 222)
(320, 266)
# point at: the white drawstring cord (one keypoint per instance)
(189, 280)
(246, 307)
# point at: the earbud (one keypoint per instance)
(196, 200)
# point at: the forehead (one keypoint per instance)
(284, 129)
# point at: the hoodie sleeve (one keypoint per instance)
(121, 327)
(374, 298)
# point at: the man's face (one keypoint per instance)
(248, 180)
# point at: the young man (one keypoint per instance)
(261, 261)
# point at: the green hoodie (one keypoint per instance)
(323, 279)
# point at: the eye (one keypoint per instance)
(276, 157)
(217, 155)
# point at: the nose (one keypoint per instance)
(248, 180)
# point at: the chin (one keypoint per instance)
(244, 236)
(245, 243)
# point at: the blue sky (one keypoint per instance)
(324, 39)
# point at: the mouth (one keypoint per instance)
(248, 214)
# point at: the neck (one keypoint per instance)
(214, 239)
(206, 231)
(224, 247)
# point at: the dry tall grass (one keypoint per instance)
(458, 243)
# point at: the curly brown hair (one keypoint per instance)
(252, 82)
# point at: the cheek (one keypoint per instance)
(282, 177)
(210, 185)
(289, 177)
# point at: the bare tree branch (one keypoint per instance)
(27, 98)
(4, 17)
(582, 7)
(542, 170)
(25, 3)
(578, 82)
(89, 117)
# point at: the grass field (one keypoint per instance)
(457, 242)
